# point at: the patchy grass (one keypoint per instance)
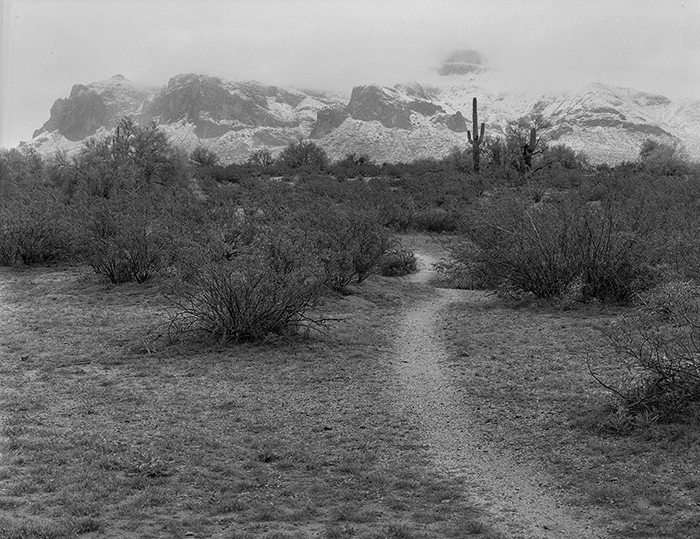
(524, 373)
(106, 430)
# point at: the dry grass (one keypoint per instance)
(107, 430)
(525, 377)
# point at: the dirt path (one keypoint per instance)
(519, 502)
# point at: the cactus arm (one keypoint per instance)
(481, 136)
(469, 137)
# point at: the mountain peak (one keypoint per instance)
(235, 117)
(462, 62)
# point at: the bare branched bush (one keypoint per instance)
(559, 247)
(261, 158)
(33, 231)
(397, 262)
(304, 153)
(659, 348)
(527, 249)
(350, 242)
(124, 239)
(203, 157)
(266, 287)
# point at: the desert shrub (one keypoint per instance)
(436, 220)
(397, 213)
(614, 260)
(124, 239)
(562, 247)
(662, 157)
(33, 230)
(304, 153)
(461, 159)
(397, 262)
(459, 269)
(262, 287)
(21, 170)
(659, 348)
(350, 241)
(203, 157)
(131, 157)
(527, 249)
(261, 158)
(353, 165)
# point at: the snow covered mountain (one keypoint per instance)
(388, 124)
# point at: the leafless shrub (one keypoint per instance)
(561, 247)
(267, 287)
(659, 347)
(122, 239)
(350, 242)
(397, 262)
(33, 231)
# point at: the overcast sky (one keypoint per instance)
(534, 45)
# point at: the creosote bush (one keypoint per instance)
(33, 231)
(124, 239)
(266, 287)
(397, 262)
(659, 347)
(350, 242)
(304, 153)
(561, 247)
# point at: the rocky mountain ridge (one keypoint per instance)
(388, 124)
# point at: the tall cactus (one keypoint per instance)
(529, 148)
(476, 140)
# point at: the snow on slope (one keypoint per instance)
(401, 123)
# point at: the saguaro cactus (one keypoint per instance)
(529, 149)
(475, 140)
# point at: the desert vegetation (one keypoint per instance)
(232, 271)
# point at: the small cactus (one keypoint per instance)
(475, 140)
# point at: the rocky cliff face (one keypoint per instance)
(328, 119)
(78, 116)
(375, 103)
(90, 107)
(215, 106)
(388, 124)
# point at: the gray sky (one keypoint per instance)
(533, 45)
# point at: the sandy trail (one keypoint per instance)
(518, 501)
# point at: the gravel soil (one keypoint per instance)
(519, 501)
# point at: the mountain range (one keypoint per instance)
(387, 124)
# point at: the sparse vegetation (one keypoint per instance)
(142, 420)
(262, 287)
(397, 262)
(203, 157)
(657, 344)
(304, 153)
